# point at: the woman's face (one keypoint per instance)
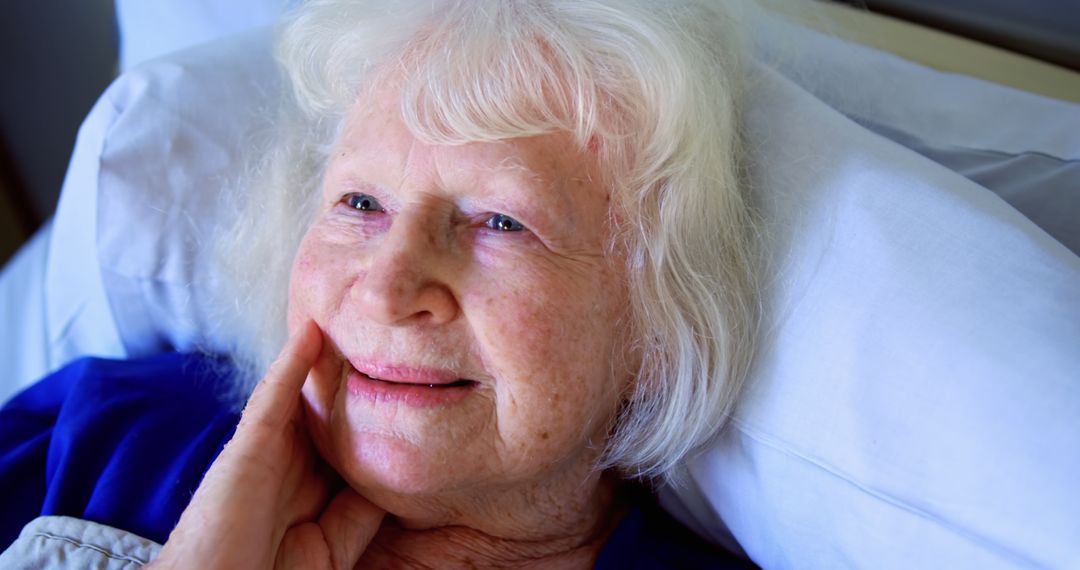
(474, 306)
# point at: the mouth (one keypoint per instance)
(418, 388)
(460, 383)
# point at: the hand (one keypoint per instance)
(266, 501)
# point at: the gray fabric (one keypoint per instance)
(56, 543)
(1044, 188)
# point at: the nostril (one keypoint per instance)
(397, 293)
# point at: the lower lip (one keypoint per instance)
(414, 395)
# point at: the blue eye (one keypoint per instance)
(504, 223)
(363, 202)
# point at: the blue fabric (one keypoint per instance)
(125, 443)
(649, 538)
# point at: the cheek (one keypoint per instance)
(552, 341)
(318, 281)
(303, 272)
(315, 286)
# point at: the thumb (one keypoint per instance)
(349, 523)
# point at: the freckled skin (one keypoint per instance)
(530, 316)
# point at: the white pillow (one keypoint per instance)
(153, 28)
(181, 128)
(915, 400)
(1022, 146)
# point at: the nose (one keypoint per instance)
(404, 283)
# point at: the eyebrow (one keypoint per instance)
(511, 170)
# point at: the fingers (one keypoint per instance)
(348, 524)
(264, 480)
(273, 403)
(337, 541)
(303, 547)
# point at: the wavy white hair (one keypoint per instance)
(658, 83)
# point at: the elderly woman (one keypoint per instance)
(511, 247)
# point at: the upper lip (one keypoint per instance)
(404, 373)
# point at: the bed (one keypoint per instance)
(916, 399)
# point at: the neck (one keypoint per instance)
(545, 528)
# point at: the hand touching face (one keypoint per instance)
(266, 502)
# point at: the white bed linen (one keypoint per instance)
(1024, 147)
(23, 340)
(153, 28)
(915, 402)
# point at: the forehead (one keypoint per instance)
(375, 134)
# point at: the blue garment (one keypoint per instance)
(122, 443)
(125, 443)
(649, 538)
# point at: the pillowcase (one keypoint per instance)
(174, 147)
(153, 29)
(1043, 187)
(914, 399)
(980, 130)
(120, 273)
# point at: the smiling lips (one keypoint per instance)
(453, 384)
(414, 387)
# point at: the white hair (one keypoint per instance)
(658, 83)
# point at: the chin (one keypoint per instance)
(382, 463)
(395, 450)
(392, 472)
